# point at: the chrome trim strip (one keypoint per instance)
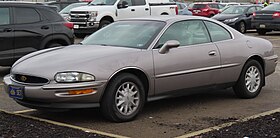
(196, 70)
(60, 86)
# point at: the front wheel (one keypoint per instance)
(250, 81)
(124, 98)
(104, 23)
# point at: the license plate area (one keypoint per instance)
(16, 92)
(262, 25)
(76, 26)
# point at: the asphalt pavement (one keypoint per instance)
(171, 117)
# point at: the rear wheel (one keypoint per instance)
(241, 27)
(261, 31)
(53, 44)
(211, 15)
(80, 35)
(250, 81)
(123, 99)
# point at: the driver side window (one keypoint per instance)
(186, 32)
(128, 1)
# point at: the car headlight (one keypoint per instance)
(73, 77)
(92, 15)
(231, 20)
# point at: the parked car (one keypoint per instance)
(100, 13)
(183, 9)
(206, 9)
(28, 27)
(267, 20)
(120, 67)
(66, 11)
(238, 17)
(60, 4)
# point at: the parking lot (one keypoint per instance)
(170, 117)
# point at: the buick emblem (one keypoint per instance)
(23, 78)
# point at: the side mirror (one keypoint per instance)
(168, 45)
(123, 5)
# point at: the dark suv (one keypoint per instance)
(28, 27)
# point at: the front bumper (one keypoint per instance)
(53, 96)
(85, 27)
(270, 64)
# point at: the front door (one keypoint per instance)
(6, 37)
(194, 63)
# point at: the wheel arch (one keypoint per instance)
(59, 38)
(108, 18)
(135, 71)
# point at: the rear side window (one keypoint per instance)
(50, 14)
(217, 32)
(4, 16)
(139, 2)
(214, 6)
(26, 15)
(199, 6)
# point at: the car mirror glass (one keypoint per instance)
(168, 45)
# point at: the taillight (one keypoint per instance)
(69, 25)
(276, 15)
(176, 10)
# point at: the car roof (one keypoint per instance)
(166, 18)
(21, 3)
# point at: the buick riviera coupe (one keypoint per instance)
(130, 62)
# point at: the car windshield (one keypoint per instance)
(103, 2)
(273, 7)
(67, 9)
(235, 10)
(132, 34)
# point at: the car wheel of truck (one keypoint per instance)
(123, 99)
(250, 81)
(104, 23)
(241, 27)
(261, 31)
(80, 35)
(53, 44)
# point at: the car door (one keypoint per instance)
(230, 52)
(249, 15)
(124, 12)
(194, 63)
(6, 37)
(29, 30)
(140, 8)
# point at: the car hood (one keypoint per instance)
(69, 58)
(220, 17)
(92, 8)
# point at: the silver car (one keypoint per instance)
(129, 62)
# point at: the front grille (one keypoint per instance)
(30, 79)
(79, 16)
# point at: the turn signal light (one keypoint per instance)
(254, 14)
(77, 92)
(276, 15)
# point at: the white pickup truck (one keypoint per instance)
(100, 13)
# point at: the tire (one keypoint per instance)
(80, 35)
(241, 27)
(261, 31)
(104, 23)
(53, 44)
(211, 15)
(116, 88)
(246, 91)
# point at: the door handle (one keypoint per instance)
(7, 30)
(132, 9)
(212, 53)
(45, 27)
(146, 9)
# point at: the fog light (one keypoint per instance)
(77, 92)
